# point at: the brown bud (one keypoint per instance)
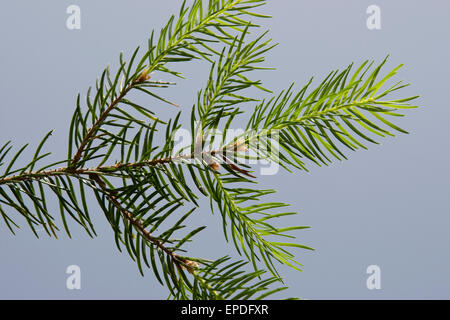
(144, 75)
(188, 265)
(192, 266)
(240, 145)
(214, 165)
(199, 140)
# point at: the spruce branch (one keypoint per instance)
(136, 223)
(141, 186)
(90, 133)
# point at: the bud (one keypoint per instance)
(144, 75)
(240, 145)
(199, 140)
(215, 166)
(191, 266)
(188, 265)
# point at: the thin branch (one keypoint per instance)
(182, 262)
(28, 176)
(99, 122)
(144, 76)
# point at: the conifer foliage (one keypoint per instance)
(148, 191)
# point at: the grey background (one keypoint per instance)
(387, 206)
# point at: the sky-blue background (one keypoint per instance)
(387, 206)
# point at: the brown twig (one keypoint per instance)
(97, 124)
(37, 175)
(142, 78)
(182, 262)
